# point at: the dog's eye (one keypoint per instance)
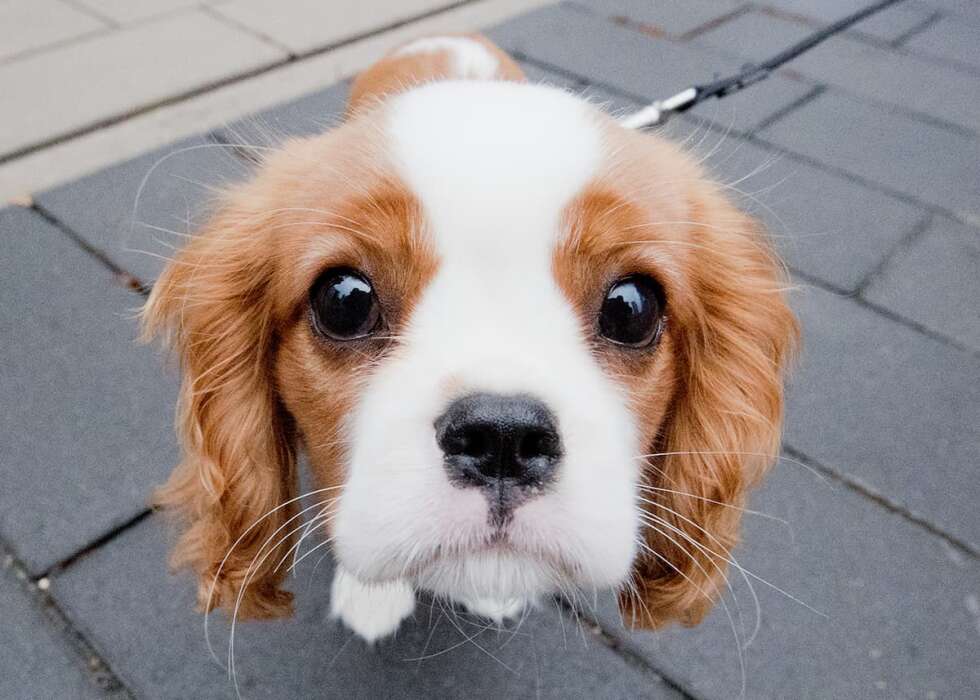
(632, 312)
(344, 305)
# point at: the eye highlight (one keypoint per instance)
(632, 313)
(343, 305)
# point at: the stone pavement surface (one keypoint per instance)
(864, 161)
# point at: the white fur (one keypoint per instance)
(494, 165)
(470, 58)
(372, 610)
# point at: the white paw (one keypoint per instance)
(372, 611)
(496, 610)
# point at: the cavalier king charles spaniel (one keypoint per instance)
(525, 350)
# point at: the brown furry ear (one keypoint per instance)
(723, 429)
(239, 462)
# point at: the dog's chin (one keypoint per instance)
(498, 573)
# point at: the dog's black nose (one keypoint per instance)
(494, 440)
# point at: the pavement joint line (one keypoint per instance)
(903, 244)
(714, 23)
(871, 494)
(123, 278)
(235, 24)
(223, 82)
(917, 29)
(60, 43)
(96, 544)
(95, 668)
(85, 9)
(884, 312)
(620, 647)
(806, 99)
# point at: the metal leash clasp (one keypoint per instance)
(658, 112)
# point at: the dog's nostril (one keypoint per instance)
(492, 439)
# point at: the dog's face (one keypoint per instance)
(525, 350)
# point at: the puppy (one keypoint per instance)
(524, 349)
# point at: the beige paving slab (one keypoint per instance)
(157, 127)
(29, 25)
(304, 25)
(59, 91)
(127, 11)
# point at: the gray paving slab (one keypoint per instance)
(306, 116)
(823, 225)
(873, 72)
(950, 39)
(641, 65)
(142, 620)
(35, 662)
(891, 408)
(962, 9)
(675, 17)
(932, 164)
(138, 212)
(936, 282)
(88, 428)
(898, 606)
(887, 25)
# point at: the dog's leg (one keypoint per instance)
(372, 611)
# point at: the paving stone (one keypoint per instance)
(640, 65)
(34, 660)
(949, 39)
(921, 160)
(892, 408)
(28, 26)
(139, 236)
(965, 9)
(305, 25)
(936, 282)
(309, 115)
(143, 621)
(887, 25)
(900, 606)
(869, 71)
(92, 430)
(823, 225)
(129, 11)
(56, 91)
(674, 17)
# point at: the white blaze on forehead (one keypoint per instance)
(469, 58)
(493, 164)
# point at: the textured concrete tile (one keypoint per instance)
(304, 25)
(930, 163)
(77, 86)
(862, 69)
(128, 11)
(140, 211)
(822, 224)
(143, 621)
(890, 407)
(640, 65)
(966, 9)
(34, 660)
(887, 25)
(900, 606)
(936, 282)
(949, 39)
(306, 116)
(91, 429)
(28, 26)
(669, 16)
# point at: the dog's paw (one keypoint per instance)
(372, 611)
(496, 610)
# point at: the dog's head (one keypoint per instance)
(525, 350)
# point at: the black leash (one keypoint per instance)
(750, 74)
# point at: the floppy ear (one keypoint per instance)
(238, 465)
(723, 429)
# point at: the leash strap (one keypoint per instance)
(752, 73)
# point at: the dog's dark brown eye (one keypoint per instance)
(632, 312)
(344, 305)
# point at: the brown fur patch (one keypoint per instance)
(708, 397)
